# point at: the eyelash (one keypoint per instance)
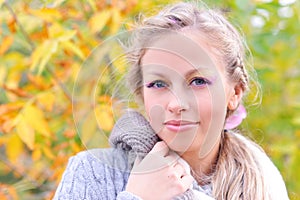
(154, 84)
(203, 81)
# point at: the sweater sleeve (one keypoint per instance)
(95, 174)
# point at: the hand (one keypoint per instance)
(158, 175)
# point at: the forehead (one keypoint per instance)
(181, 50)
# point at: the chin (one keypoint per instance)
(178, 145)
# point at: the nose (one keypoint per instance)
(177, 104)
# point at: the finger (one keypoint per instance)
(137, 161)
(185, 165)
(172, 158)
(179, 170)
(160, 148)
(187, 181)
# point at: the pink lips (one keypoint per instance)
(180, 125)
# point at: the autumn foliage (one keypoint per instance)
(45, 43)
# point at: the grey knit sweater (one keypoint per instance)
(103, 173)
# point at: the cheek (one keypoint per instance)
(213, 112)
(155, 111)
(203, 107)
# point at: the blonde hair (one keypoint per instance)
(237, 174)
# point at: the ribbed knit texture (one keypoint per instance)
(133, 133)
(98, 174)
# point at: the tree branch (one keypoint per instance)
(19, 24)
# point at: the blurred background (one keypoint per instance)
(44, 43)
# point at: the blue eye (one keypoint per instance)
(200, 82)
(156, 84)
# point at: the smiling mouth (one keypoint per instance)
(180, 125)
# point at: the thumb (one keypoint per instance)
(137, 161)
(160, 148)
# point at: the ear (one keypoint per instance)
(235, 97)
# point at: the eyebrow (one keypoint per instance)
(207, 71)
(203, 71)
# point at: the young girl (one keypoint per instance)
(188, 72)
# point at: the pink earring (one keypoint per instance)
(236, 118)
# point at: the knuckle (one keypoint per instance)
(179, 187)
(173, 176)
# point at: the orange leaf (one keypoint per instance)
(38, 81)
(40, 35)
(17, 91)
(11, 24)
(8, 192)
(6, 43)
(8, 126)
(69, 133)
(3, 140)
(9, 107)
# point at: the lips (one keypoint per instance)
(180, 125)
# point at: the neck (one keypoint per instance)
(202, 167)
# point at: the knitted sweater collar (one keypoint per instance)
(132, 132)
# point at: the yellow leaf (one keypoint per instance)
(3, 73)
(104, 117)
(57, 32)
(88, 128)
(25, 132)
(73, 48)
(36, 154)
(3, 140)
(12, 79)
(42, 54)
(6, 43)
(1, 2)
(119, 59)
(47, 14)
(14, 148)
(29, 22)
(92, 4)
(46, 99)
(99, 20)
(55, 3)
(75, 147)
(48, 153)
(116, 21)
(35, 118)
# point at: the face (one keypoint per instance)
(186, 93)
